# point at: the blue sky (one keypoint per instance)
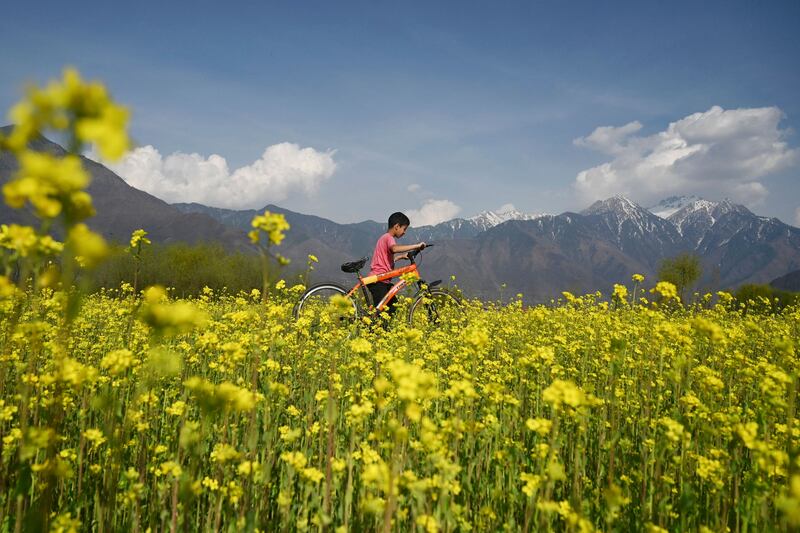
(436, 108)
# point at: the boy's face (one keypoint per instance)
(398, 231)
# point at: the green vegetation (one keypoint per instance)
(187, 268)
(763, 298)
(682, 271)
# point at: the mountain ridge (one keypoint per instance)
(602, 245)
(538, 255)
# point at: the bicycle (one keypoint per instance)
(429, 304)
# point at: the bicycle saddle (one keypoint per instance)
(354, 266)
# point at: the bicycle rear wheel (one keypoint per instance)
(435, 308)
(316, 311)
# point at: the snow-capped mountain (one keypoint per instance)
(489, 219)
(694, 219)
(734, 239)
(634, 229)
(539, 255)
(668, 206)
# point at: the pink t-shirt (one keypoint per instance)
(382, 257)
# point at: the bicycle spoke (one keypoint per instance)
(436, 308)
(318, 311)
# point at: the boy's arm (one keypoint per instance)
(400, 248)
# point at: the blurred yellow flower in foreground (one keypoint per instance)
(273, 224)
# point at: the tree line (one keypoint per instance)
(685, 269)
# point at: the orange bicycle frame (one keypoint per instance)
(397, 287)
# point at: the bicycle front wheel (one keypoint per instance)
(434, 308)
(317, 311)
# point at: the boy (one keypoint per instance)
(384, 255)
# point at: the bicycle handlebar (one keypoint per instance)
(414, 253)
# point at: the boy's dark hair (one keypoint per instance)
(398, 218)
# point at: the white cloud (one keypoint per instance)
(718, 153)
(608, 139)
(414, 187)
(433, 212)
(506, 208)
(283, 169)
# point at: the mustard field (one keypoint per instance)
(223, 413)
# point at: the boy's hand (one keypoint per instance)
(422, 245)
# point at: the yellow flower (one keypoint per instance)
(709, 329)
(562, 392)
(48, 183)
(313, 475)
(321, 395)
(86, 107)
(358, 412)
(428, 523)
(7, 411)
(210, 484)
(541, 426)
(289, 435)
(340, 305)
(7, 288)
(177, 408)
(532, 482)
(412, 381)
(222, 453)
(476, 337)
(725, 298)
(118, 361)
(138, 238)
(338, 465)
(234, 491)
(238, 398)
(170, 318)
(247, 468)
(711, 470)
(620, 293)
(64, 523)
(666, 290)
(169, 468)
(273, 224)
(748, 433)
(155, 294)
(295, 459)
(789, 502)
(106, 129)
(89, 247)
(25, 241)
(360, 346)
(674, 430)
(95, 436)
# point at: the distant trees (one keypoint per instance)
(764, 298)
(683, 271)
(187, 268)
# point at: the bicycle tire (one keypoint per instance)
(433, 302)
(318, 297)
